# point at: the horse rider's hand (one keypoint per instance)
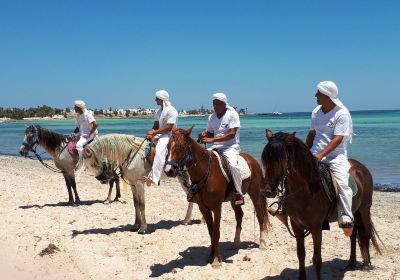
(202, 134)
(208, 140)
(319, 156)
(149, 136)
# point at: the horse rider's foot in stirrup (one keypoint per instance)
(148, 181)
(346, 224)
(277, 214)
(238, 199)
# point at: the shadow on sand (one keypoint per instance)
(198, 256)
(124, 228)
(334, 269)
(62, 204)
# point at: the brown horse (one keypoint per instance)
(213, 188)
(289, 164)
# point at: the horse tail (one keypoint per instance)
(375, 238)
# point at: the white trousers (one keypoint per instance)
(340, 167)
(159, 159)
(81, 142)
(232, 155)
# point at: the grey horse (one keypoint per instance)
(55, 144)
(127, 152)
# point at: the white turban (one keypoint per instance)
(221, 97)
(80, 104)
(330, 89)
(164, 96)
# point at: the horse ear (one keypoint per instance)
(268, 134)
(174, 129)
(189, 131)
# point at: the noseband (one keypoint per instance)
(34, 141)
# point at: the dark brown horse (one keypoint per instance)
(213, 188)
(289, 163)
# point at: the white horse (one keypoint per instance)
(127, 152)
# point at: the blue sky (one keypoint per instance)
(265, 55)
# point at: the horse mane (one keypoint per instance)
(115, 147)
(285, 150)
(52, 140)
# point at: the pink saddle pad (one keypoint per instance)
(72, 147)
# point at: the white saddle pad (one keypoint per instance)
(245, 171)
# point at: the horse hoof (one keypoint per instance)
(216, 263)
(185, 222)
(141, 231)
(263, 246)
(135, 228)
(106, 202)
(366, 266)
(352, 265)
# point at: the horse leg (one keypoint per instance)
(137, 223)
(217, 262)
(140, 193)
(317, 259)
(260, 206)
(209, 221)
(188, 214)
(117, 189)
(73, 184)
(301, 252)
(68, 183)
(239, 217)
(108, 200)
(353, 239)
(364, 236)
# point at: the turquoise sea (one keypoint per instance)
(376, 142)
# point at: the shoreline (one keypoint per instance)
(378, 187)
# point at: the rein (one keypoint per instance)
(282, 194)
(194, 187)
(32, 148)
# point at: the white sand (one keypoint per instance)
(95, 241)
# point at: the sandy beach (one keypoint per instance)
(94, 241)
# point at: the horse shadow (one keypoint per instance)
(198, 256)
(151, 228)
(62, 204)
(334, 269)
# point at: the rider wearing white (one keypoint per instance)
(166, 118)
(86, 125)
(331, 131)
(223, 132)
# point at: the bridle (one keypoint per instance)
(178, 168)
(31, 147)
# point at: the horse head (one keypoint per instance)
(102, 170)
(275, 159)
(30, 141)
(179, 152)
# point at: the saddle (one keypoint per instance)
(331, 188)
(330, 184)
(245, 171)
(150, 152)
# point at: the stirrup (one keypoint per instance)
(238, 199)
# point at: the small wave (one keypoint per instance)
(387, 187)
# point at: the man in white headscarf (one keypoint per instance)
(166, 118)
(223, 132)
(330, 133)
(86, 125)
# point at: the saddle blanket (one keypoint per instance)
(245, 171)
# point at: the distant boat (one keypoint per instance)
(276, 113)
